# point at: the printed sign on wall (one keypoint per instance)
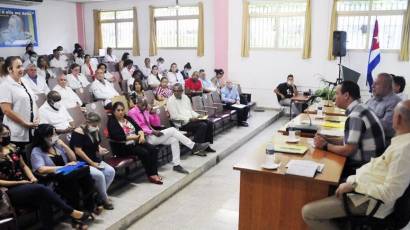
(17, 27)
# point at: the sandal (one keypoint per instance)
(78, 224)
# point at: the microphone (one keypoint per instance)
(304, 128)
(328, 82)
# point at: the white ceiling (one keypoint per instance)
(84, 1)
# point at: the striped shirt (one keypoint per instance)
(163, 92)
(363, 128)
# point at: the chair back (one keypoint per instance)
(163, 115)
(41, 98)
(52, 82)
(84, 94)
(401, 214)
(207, 101)
(124, 86)
(111, 67)
(117, 87)
(77, 114)
(216, 97)
(197, 103)
(149, 95)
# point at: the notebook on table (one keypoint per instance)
(288, 148)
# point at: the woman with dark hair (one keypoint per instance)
(154, 78)
(128, 70)
(129, 139)
(163, 92)
(75, 79)
(85, 140)
(79, 59)
(140, 76)
(32, 59)
(217, 80)
(136, 88)
(23, 190)
(87, 68)
(18, 103)
(107, 75)
(43, 70)
(49, 154)
(29, 48)
(174, 76)
(161, 68)
(121, 64)
(77, 49)
(185, 72)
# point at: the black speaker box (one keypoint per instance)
(339, 43)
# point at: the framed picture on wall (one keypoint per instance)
(17, 27)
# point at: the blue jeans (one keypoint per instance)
(103, 179)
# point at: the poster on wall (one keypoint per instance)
(17, 27)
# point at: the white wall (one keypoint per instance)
(180, 56)
(56, 25)
(264, 69)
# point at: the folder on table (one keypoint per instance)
(287, 148)
(338, 125)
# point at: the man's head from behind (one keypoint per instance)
(399, 83)
(383, 85)
(346, 93)
(178, 90)
(53, 99)
(401, 117)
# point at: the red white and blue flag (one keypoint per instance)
(374, 56)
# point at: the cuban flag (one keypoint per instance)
(374, 56)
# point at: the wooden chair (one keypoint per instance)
(198, 106)
(40, 99)
(84, 94)
(78, 115)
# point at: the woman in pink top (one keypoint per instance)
(169, 136)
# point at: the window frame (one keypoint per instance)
(276, 17)
(115, 21)
(176, 18)
(370, 13)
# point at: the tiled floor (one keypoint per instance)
(209, 202)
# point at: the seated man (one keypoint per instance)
(127, 71)
(285, 91)
(207, 85)
(230, 97)
(364, 136)
(180, 109)
(31, 80)
(58, 61)
(384, 178)
(69, 98)
(75, 79)
(102, 89)
(383, 102)
(54, 113)
(109, 57)
(193, 86)
(399, 83)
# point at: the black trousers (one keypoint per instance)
(203, 130)
(242, 113)
(148, 155)
(40, 197)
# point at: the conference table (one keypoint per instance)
(272, 199)
(327, 110)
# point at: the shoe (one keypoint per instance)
(244, 124)
(178, 168)
(108, 206)
(201, 154)
(209, 150)
(199, 147)
(155, 181)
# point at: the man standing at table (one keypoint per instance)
(363, 135)
(285, 91)
(384, 178)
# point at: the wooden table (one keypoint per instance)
(269, 199)
(300, 98)
(303, 118)
(332, 110)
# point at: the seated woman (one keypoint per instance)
(87, 68)
(50, 154)
(85, 140)
(163, 92)
(23, 190)
(129, 139)
(107, 75)
(154, 78)
(136, 89)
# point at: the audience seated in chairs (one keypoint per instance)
(384, 178)
(48, 155)
(23, 189)
(109, 57)
(85, 141)
(181, 112)
(206, 83)
(174, 76)
(285, 91)
(31, 80)
(169, 136)
(69, 98)
(103, 89)
(217, 81)
(193, 86)
(58, 60)
(75, 79)
(399, 84)
(185, 72)
(364, 136)
(128, 139)
(54, 113)
(87, 68)
(383, 102)
(163, 92)
(230, 96)
(154, 79)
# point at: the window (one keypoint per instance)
(277, 24)
(357, 18)
(177, 27)
(117, 28)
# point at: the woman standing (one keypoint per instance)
(18, 103)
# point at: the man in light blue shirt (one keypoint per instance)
(230, 96)
(207, 85)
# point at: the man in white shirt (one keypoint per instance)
(146, 69)
(109, 57)
(54, 113)
(58, 61)
(102, 89)
(69, 99)
(127, 71)
(180, 110)
(31, 80)
(75, 79)
(384, 178)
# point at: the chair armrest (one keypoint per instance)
(177, 123)
(211, 107)
(201, 111)
(349, 212)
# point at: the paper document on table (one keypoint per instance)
(287, 148)
(338, 125)
(304, 168)
(239, 106)
(332, 132)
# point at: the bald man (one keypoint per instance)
(384, 178)
(383, 102)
